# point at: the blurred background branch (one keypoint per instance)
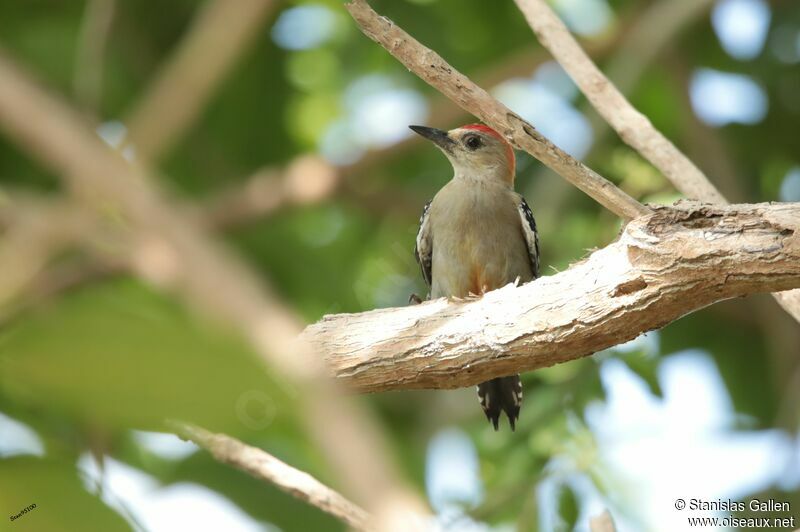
(33, 236)
(430, 67)
(169, 251)
(266, 467)
(219, 34)
(306, 180)
(602, 523)
(294, 149)
(632, 126)
(88, 78)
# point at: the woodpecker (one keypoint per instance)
(477, 235)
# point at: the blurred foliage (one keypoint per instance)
(109, 356)
(61, 502)
(86, 369)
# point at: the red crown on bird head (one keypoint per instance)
(509, 150)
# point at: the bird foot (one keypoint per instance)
(414, 299)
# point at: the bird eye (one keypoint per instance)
(473, 142)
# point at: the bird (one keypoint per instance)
(476, 235)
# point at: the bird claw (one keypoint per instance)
(414, 299)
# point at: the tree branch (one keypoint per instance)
(219, 34)
(32, 236)
(305, 180)
(95, 28)
(602, 523)
(664, 265)
(170, 251)
(657, 28)
(632, 126)
(434, 70)
(263, 466)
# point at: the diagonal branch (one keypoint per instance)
(32, 235)
(602, 523)
(664, 266)
(657, 28)
(305, 180)
(220, 32)
(434, 70)
(170, 251)
(263, 466)
(632, 126)
(92, 41)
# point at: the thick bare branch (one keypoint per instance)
(431, 68)
(632, 126)
(264, 466)
(221, 31)
(664, 265)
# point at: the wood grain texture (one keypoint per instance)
(663, 266)
(634, 128)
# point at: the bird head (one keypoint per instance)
(476, 151)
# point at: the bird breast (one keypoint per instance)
(478, 243)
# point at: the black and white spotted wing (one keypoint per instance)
(423, 250)
(530, 234)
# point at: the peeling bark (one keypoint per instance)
(663, 266)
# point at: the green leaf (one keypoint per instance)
(567, 507)
(529, 514)
(62, 503)
(118, 356)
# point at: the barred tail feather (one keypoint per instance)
(503, 394)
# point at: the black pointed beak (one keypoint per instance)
(437, 136)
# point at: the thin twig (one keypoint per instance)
(656, 29)
(95, 28)
(442, 112)
(434, 70)
(632, 126)
(218, 36)
(602, 523)
(704, 143)
(648, 32)
(264, 466)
